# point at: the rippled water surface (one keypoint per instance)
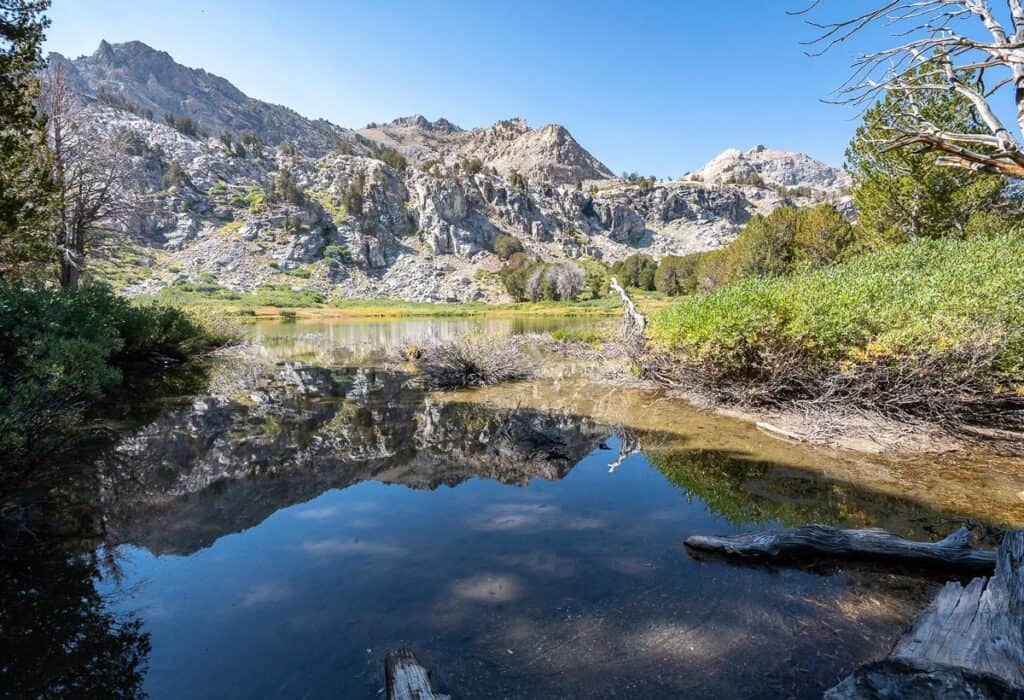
(276, 528)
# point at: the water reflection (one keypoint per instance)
(278, 531)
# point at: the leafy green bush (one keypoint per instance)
(390, 156)
(61, 350)
(789, 238)
(677, 275)
(256, 198)
(636, 271)
(505, 246)
(924, 328)
(285, 189)
(596, 278)
(339, 252)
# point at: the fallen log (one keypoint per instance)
(405, 678)
(819, 541)
(969, 643)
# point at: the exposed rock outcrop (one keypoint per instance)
(253, 194)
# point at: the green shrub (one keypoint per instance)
(285, 190)
(256, 198)
(390, 156)
(62, 350)
(596, 280)
(788, 239)
(339, 252)
(185, 125)
(505, 246)
(677, 275)
(927, 326)
(636, 271)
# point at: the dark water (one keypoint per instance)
(275, 534)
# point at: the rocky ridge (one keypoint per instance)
(411, 209)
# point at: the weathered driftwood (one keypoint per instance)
(405, 678)
(633, 322)
(819, 541)
(778, 432)
(969, 643)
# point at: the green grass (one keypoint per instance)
(216, 297)
(397, 308)
(924, 299)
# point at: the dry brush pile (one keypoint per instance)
(466, 361)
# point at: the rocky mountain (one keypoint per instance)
(549, 154)
(779, 169)
(237, 194)
(136, 77)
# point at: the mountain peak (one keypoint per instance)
(418, 121)
(767, 166)
(149, 81)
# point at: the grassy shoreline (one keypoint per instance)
(258, 306)
(932, 330)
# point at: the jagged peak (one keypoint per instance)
(771, 166)
(517, 124)
(418, 121)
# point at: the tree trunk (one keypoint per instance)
(969, 643)
(70, 270)
(405, 678)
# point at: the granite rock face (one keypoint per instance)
(359, 222)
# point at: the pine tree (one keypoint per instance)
(26, 188)
(904, 194)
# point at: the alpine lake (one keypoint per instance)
(272, 524)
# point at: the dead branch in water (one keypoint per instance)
(819, 541)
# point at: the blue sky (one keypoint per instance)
(656, 87)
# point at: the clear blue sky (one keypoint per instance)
(657, 87)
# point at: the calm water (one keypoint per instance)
(276, 532)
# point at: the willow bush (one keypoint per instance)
(931, 328)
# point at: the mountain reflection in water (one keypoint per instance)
(276, 534)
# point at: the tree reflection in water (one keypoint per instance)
(59, 638)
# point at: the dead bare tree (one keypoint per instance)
(944, 45)
(92, 172)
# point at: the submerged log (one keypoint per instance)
(819, 541)
(405, 678)
(969, 643)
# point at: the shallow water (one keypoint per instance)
(309, 510)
